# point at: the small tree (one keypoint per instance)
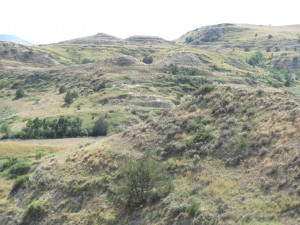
(68, 98)
(20, 93)
(62, 89)
(270, 36)
(148, 59)
(100, 128)
(142, 181)
(256, 59)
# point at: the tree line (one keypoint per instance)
(63, 127)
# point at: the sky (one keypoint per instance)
(50, 21)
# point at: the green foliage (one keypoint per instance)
(174, 69)
(204, 135)
(148, 59)
(100, 127)
(270, 36)
(192, 208)
(242, 143)
(142, 181)
(86, 60)
(205, 89)
(20, 93)
(62, 89)
(68, 98)
(18, 169)
(288, 80)
(256, 59)
(9, 161)
(57, 128)
(5, 128)
(34, 212)
(192, 126)
(19, 181)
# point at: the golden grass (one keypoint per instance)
(21, 149)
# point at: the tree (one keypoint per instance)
(142, 181)
(68, 98)
(100, 128)
(148, 59)
(20, 93)
(255, 59)
(62, 89)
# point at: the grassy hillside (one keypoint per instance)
(219, 106)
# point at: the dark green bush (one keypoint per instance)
(100, 127)
(256, 59)
(62, 89)
(205, 89)
(20, 93)
(148, 59)
(68, 98)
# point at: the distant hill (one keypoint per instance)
(14, 39)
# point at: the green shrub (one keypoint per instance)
(204, 134)
(100, 127)
(256, 59)
(192, 208)
(34, 212)
(148, 59)
(62, 89)
(68, 98)
(142, 181)
(192, 126)
(19, 181)
(270, 36)
(9, 162)
(20, 93)
(205, 89)
(19, 168)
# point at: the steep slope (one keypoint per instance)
(217, 110)
(261, 187)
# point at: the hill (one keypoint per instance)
(14, 39)
(219, 107)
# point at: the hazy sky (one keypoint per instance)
(47, 21)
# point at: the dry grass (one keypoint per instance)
(22, 149)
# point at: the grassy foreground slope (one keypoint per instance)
(226, 128)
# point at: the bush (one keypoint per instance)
(192, 208)
(148, 59)
(34, 212)
(270, 36)
(142, 181)
(205, 89)
(19, 181)
(19, 168)
(256, 59)
(204, 134)
(100, 128)
(62, 89)
(20, 93)
(68, 98)
(268, 49)
(9, 162)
